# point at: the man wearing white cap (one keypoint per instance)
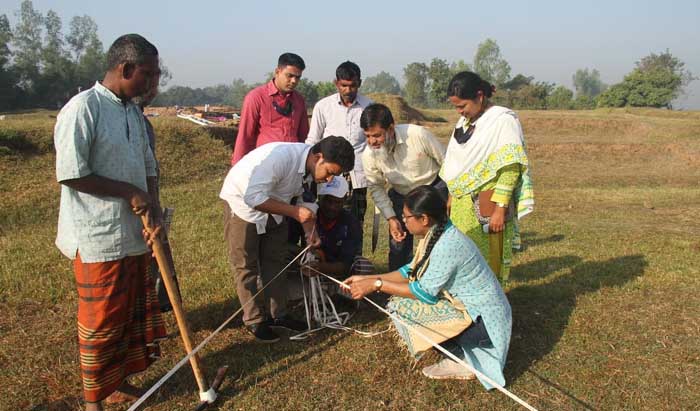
(340, 233)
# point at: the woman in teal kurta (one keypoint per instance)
(447, 275)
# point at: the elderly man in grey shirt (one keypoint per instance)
(339, 115)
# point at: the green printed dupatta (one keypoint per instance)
(497, 142)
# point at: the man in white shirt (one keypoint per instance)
(257, 194)
(339, 115)
(400, 157)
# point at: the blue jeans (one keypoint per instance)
(475, 335)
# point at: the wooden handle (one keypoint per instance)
(169, 281)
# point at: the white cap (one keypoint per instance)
(338, 187)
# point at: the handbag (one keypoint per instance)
(484, 207)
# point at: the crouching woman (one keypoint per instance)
(448, 292)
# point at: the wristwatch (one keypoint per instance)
(378, 285)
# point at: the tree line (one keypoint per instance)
(40, 66)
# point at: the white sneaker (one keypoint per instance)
(447, 369)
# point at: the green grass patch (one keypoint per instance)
(605, 297)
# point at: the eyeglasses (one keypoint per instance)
(462, 136)
(285, 111)
(406, 217)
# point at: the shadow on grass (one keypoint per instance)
(530, 238)
(541, 313)
(245, 357)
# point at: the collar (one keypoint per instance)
(109, 94)
(272, 89)
(302, 166)
(356, 102)
(401, 136)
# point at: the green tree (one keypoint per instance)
(307, 88)
(655, 82)
(561, 98)
(439, 75)
(27, 44)
(88, 52)
(325, 89)
(381, 83)
(459, 66)
(588, 83)
(56, 78)
(666, 63)
(237, 93)
(416, 75)
(532, 96)
(489, 63)
(8, 91)
(517, 82)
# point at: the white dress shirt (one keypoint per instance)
(274, 170)
(332, 118)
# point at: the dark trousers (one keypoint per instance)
(474, 336)
(401, 253)
(356, 204)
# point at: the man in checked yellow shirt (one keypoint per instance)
(398, 159)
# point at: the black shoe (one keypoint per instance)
(289, 324)
(263, 333)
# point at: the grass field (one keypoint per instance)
(606, 296)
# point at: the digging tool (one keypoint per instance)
(207, 394)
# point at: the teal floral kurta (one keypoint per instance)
(457, 266)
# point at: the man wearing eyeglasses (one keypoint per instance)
(339, 115)
(399, 157)
(273, 112)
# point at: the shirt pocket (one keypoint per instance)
(101, 227)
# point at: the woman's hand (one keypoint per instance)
(359, 286)
(498, 220)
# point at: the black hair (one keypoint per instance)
(336, 150)
(291, 59)
(376, 115)
(130, 49)
(348, 71)
(426, 200)
(466, 85)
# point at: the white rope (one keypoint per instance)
(323, 311)
(440, 348)
(183, 361)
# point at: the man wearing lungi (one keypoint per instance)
(107, 175)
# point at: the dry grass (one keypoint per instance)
(605, 298)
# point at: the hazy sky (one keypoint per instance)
(210, 42)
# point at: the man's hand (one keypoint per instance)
(396, 230)
(304, 215)
(497, 221)
(139, 200)
(312, 238)
(155, 226)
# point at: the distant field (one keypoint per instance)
(605, 297)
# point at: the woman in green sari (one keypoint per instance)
(486, 170)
